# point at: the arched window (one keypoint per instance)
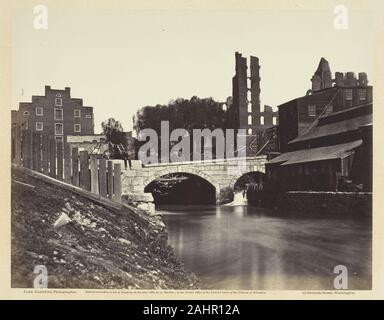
(249, 120)
(274, 121)
(249, 131)
(249, 107)
(262, 120)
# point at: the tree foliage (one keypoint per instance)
(111, 127)
(114, 133)
(194, 113)
(197, 113)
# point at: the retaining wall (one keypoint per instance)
(346, 203)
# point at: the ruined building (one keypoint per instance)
(246, 112)
(325, 137)
(322, 78)
(244, 108)
(328, 95)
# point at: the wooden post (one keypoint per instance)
(49, 154)
(84, 171)
(35, 151)
(103, 177)
(32, 149)
(110, 179)
(59, 146)
(52, 158)
(67, 162)
(23, 136)
(27, 149)
(45, 154)
(13, 143)
(17, 145)
(94, 174)
(117, 182)
(39, 161)
(75, 166)
(20, 134)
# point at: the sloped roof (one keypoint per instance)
(316, 154)
(334, 128)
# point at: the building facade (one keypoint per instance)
(325, 137)
(338, 148)
(326, 96)
(56, 114)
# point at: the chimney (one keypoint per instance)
(339, 79)
(363, 79)
(351, 80)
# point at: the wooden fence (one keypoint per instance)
(59, 160)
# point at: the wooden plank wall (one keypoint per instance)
(59, 160)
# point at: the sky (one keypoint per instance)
(121, 60)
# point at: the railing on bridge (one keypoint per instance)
(57, 159)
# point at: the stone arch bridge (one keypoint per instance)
(222, 174)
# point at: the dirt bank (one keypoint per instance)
(96, 247)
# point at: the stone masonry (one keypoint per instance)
(221, 173)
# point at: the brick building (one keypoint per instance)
(56, 114)
(326, 136)
(325, 97)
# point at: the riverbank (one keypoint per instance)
(84, 244)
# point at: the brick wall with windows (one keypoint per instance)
(297, 115)
(57, 114)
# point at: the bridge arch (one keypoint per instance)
(170, 170)
(253, 173)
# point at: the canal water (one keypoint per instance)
(239, 247)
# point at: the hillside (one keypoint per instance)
(96, 247)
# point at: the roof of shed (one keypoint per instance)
(317, 154)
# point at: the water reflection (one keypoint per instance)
(240, 247)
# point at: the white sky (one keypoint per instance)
(120, 61)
